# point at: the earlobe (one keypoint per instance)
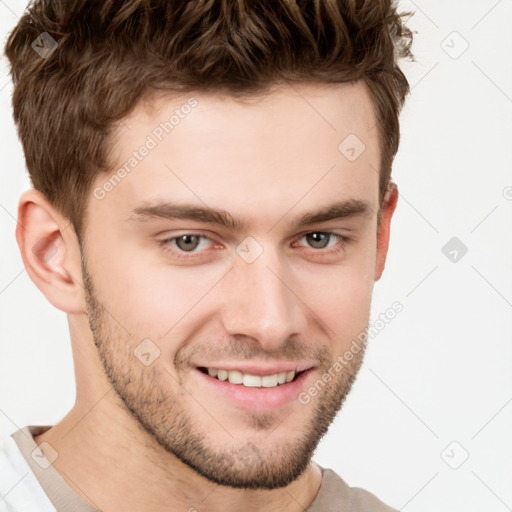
(388, 208)
(50, 251)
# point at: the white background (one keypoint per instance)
(442, 370)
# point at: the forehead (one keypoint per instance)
(294, 146)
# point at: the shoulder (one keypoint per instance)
(335, 495)
(19, 486)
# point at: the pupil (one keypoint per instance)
(319, 240)
(187, 242)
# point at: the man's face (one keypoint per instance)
(169, 296)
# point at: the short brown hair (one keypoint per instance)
(112, 53)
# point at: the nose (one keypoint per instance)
(260, 302)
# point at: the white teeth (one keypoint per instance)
(269, 381)
(290, 375)
(252, 381)
(235, 377)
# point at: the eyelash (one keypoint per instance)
(166, 244)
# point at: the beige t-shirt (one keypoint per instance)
(334, 494)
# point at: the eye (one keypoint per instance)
(195, 245)
(322, 239)
(186, 243)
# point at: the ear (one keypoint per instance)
(383, 232)
(50, 251)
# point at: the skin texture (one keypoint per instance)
(155, 436)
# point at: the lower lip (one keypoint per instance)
(253, 398)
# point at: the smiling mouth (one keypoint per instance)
(248, 380)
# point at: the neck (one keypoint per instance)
(112, 463)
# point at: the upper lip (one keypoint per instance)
(260, 369)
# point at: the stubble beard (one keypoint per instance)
(164, 418)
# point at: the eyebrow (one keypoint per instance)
(166, 210)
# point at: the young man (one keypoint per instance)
(211, 208)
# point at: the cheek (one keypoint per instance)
(149, 297)
(341, 295)
(341, 300)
